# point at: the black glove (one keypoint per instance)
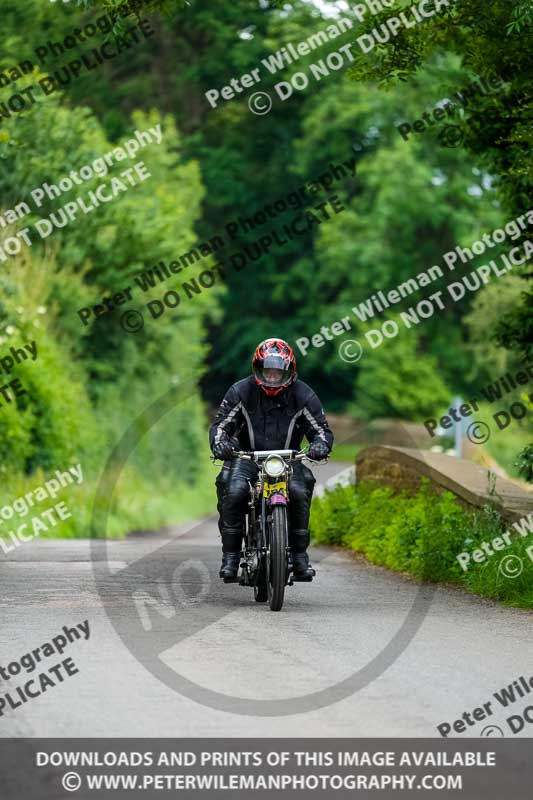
(318, 450)
(223, 449)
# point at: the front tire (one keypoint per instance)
(278, 558)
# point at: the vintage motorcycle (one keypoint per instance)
(266, 557)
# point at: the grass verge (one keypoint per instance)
(139, 502)
(422, 535)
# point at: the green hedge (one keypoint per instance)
(421, 535)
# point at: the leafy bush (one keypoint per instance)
(525, 463)
(421, 535)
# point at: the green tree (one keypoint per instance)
(491, 40)
(398, 380)
(494, 301)
(117, 374)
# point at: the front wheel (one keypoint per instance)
(278, 558)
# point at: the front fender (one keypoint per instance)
(278, 500)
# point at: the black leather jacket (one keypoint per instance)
(261, 422)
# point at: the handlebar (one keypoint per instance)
(260, 455)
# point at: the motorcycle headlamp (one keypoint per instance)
(274, 466)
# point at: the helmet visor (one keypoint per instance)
(274, 372)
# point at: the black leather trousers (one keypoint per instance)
(233, 494)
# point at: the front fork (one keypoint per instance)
(260, 528)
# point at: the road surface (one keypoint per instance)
(463, 649)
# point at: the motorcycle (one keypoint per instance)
(266, 563)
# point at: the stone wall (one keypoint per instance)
(403, 468)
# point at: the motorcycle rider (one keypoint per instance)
(271, 409)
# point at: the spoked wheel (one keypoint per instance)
(260, 585)
(277, 563)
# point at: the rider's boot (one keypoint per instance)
(302, 569)
(231, 553)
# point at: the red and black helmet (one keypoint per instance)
(274, 366)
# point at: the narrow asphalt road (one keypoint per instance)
(174, 652)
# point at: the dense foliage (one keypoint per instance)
(409, 202)
(421, 535)
(89, 383)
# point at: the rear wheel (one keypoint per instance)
(278, 558)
